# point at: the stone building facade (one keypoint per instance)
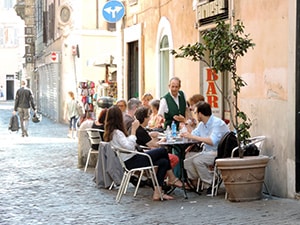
(269, 69)
(140, 43)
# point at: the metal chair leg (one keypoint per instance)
(87, 160)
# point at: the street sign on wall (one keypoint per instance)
(29, 40)
(54, 57)
(29, 30)
(113, 11)
(29, 49)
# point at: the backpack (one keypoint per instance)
(251, 150)
(227, 143)
(14, 123)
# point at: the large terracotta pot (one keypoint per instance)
(243, 177)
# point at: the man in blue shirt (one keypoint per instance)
(209, 131)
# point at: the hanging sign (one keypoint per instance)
(212, 95)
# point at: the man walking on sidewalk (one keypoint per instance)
(23, 102)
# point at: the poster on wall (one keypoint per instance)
(212, 95)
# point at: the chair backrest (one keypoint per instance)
(118, 153)
(227, 143)
(94, 135)
(254, 147)
(119, 150)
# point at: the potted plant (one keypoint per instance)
(225, 45)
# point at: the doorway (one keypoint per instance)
(10, 90)
(133, 70)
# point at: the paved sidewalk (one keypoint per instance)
(41, 184)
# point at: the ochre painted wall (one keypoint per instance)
(269, 98)
(182, 18)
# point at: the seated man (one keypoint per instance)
(209, 131)
(132, 105)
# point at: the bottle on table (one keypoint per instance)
(168, 133)
(183, 130)
(174, 129)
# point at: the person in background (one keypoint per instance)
(132, 105)
(87, 116)
(194, 100)
(121, 103)
(191, 123)
(23, 102)
(209, 131)
(100, 122)
(71, 114)
(146, 98)
(155, 122)
(1, 93)
(116, 133)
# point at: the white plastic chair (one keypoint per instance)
(258, 141)
(149, 170)
(95, 139)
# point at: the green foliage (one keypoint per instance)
(224, 46)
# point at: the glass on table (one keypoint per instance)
(183, 130)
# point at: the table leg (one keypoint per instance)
(183, 175)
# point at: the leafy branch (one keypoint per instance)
(224, 46)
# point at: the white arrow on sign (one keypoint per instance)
(112, 11)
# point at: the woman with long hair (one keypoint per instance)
(100, 122)
(116, 133)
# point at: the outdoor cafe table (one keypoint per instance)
(181, 144)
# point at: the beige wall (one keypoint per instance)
(181, 18)
(95, 46)
(269, 98)
(269, 70)
(11, 58)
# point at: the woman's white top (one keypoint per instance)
(120, 140)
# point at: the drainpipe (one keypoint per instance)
(231, 13)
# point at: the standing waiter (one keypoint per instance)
(23, 102)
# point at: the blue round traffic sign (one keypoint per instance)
(113, 11)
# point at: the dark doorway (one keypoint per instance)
(297, 132)
(133, 70)
(10, 90)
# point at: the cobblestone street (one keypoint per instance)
(41, 184)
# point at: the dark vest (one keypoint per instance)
(173, 108)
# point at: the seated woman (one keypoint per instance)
(122, 104)
(155, 122)
(99, 123)
(150, 139)
(146, 98)
(192, 123)
(116, 133)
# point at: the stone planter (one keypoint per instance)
(243, 177)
